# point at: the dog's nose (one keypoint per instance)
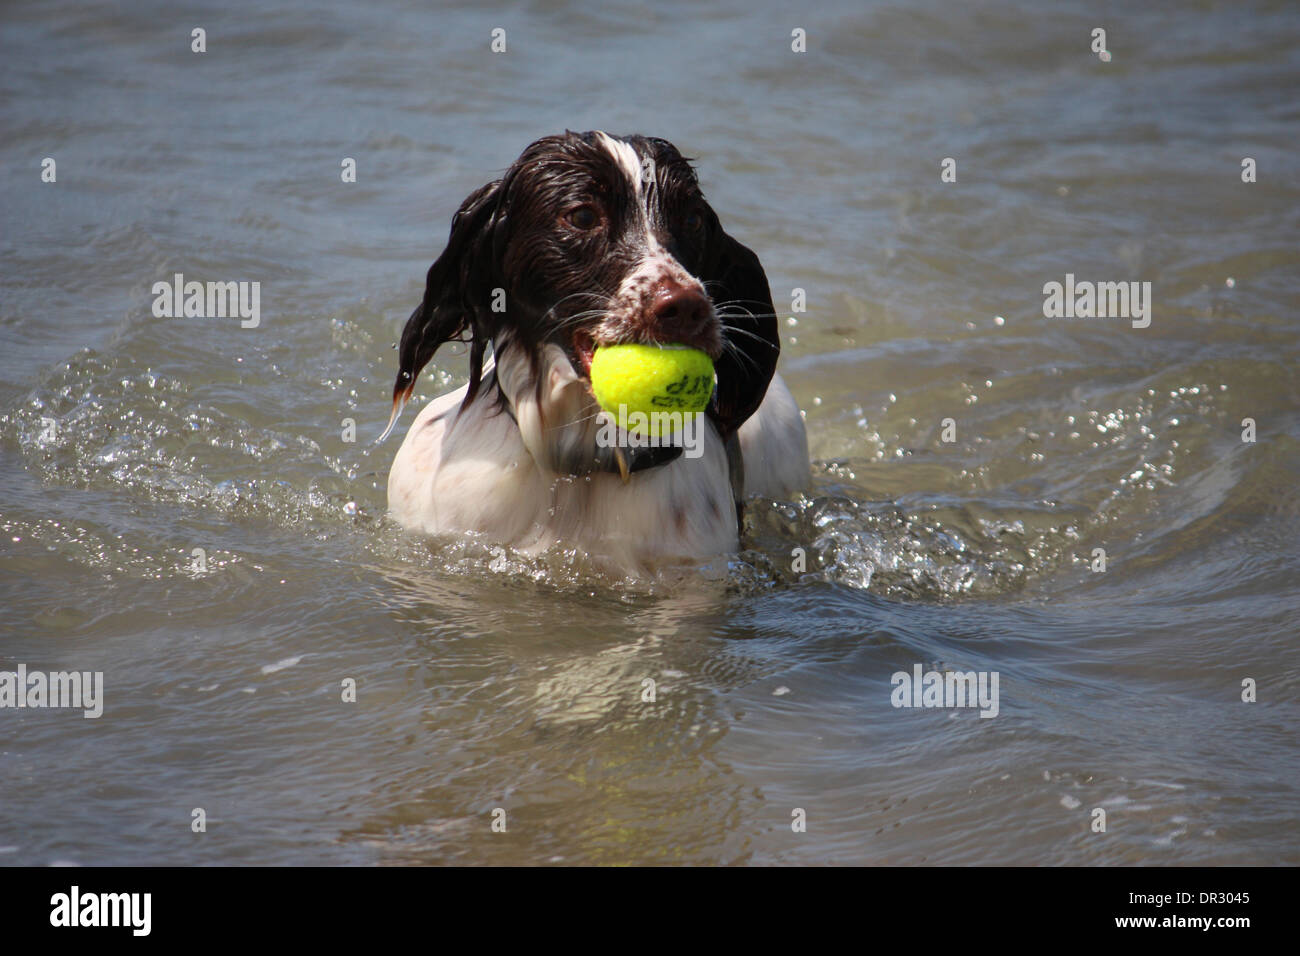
(679, 309)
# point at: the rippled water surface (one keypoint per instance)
(488, 681)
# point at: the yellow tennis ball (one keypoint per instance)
(651, 378)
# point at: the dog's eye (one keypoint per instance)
(583, 217)
(694, 221)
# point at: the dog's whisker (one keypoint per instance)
(732, 330)
(730, 348)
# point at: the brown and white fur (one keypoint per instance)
(591, 240)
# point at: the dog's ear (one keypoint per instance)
(739, 289)
(456, 302)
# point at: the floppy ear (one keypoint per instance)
(740, 291)
(456, 299)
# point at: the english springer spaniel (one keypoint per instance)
(590, 240)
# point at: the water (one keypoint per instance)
(484, 680)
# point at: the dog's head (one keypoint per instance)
(589, 240)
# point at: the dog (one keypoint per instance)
(591, 240)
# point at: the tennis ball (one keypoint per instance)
(649, 379)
